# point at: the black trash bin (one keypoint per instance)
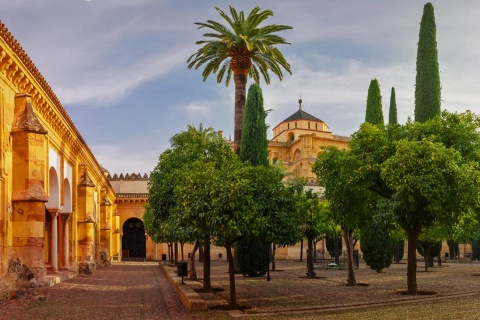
(182, 269)
(164, 257)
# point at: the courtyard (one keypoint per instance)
(136, 290)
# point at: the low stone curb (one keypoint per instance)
(191, 299)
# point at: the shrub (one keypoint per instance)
(252, 258)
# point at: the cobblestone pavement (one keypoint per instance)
(120, 291)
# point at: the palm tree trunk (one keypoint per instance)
(240, 79)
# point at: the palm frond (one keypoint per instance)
(240, 35)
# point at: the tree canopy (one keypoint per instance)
(243, 48)
(425, 173)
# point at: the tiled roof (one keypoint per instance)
(301, 115)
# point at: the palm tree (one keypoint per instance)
(244, 49)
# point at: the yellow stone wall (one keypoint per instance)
(297, 143)
(18, 75)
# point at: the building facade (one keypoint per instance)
(57, 208)
(298, 140)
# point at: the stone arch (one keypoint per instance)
(54, 189)
(296, 154)
(67, 196)
(134, 242)
(291, 136)
(297, 172)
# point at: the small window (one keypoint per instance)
(288, 125)
(316, 126)
(295, 124)
(309, 125)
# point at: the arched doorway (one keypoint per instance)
(133, 240)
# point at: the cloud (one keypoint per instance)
(101, 89)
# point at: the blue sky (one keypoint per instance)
(119, 66)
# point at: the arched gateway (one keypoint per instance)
(133, 239)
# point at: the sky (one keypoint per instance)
(119, 66)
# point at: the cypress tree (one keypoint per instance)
(392, 112)
(254, 130)
(377, 246)
(427, 81)
(253, 148)
(374, 112)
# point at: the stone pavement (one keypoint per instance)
(124, 290)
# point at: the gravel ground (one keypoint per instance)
(140, 291)
(121, 291)
(289, 290)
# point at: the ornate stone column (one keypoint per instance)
(54, 242)
(66, 247)
(28, 194)
(105, 230)
(85, 223)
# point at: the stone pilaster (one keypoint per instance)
(28, 196)
(105, 230)
(85, 223)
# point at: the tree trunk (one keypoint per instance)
(200, 253)
(192, 273)
(240, 79)
(207, 283)
(348, 236)
(181, 249)
(336, 250)
(301, 250)
(310, 272)
(412, 234)
(176, 252)
(426, 255)
(231, 274)
(274, 246)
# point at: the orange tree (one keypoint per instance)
(426, 174)
(229, 200)
(242, 48)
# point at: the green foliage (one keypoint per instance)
(476, 249)
(399, 249)
(333, 242)
(254, 130)
(377, 245)
(252, 257)
(429, 249)
(241, 41)
(427, 81)
(374, 112)
(453, 249)
(424, 173)
(392, 113)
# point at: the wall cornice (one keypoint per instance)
(24, 76)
